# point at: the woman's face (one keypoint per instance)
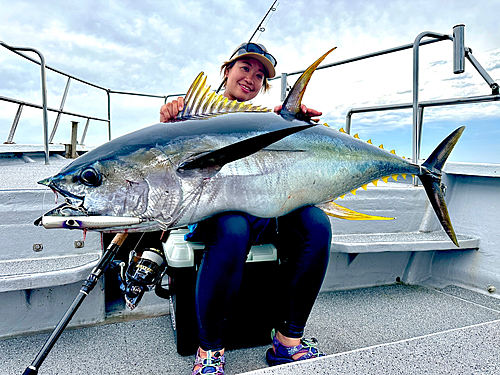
(244, 79)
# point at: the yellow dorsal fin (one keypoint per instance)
(394, 176)
(385, 179)
(356, 136)
(374, 182)
(208, 102)
(335, 210)
(369, 141)
(200, 101)
(204, 93)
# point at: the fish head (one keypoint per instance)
(141, 184)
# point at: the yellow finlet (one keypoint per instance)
(356, 136)
(393, 152)
(353, 192)
(403, 175)
(365, 186)
(369, 141)
(342, 196)
(342, 130)
(385, 179)
(381, 146)
(374, 182)
(326, 125)
(394, 176)
(335, 210)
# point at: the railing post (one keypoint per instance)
(283, 86)
(61, 107)
(13, 128)
(85, 132)
(109, 115)
(348, 120)
(415, 130)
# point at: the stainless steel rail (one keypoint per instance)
(48, 139)
(460, 52)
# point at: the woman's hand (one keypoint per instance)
(308, 111)
(170, 110)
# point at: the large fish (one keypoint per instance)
(228, 156)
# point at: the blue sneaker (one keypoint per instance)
(213, 364)
(280, 354)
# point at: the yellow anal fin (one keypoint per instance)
(335, 210)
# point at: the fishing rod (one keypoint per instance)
(260, 28)
(86, 288)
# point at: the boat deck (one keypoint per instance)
(396, 329)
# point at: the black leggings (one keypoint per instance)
(304, 237)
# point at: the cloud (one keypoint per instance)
(159, 47)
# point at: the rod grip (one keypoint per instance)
(119, 238)
(30, 371)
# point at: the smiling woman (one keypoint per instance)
(220, 273)
(244, 79)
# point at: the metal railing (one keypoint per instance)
(460, 53)
(47, 139)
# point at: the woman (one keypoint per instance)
(304, 237)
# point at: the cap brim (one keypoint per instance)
(264, 61)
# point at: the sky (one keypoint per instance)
(158, 47)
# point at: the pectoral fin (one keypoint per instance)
(335, 210)
(208, 164)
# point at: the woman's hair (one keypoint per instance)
(229, 64)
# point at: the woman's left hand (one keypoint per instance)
(308, 111)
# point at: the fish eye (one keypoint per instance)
(90, 177)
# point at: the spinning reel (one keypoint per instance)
(144, 273)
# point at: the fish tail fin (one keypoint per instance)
(431, 180)
(292, 103)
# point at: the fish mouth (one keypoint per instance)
(56, 189)
(72, 206)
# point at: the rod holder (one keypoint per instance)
(459, 49)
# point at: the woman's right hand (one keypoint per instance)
(170, 110)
